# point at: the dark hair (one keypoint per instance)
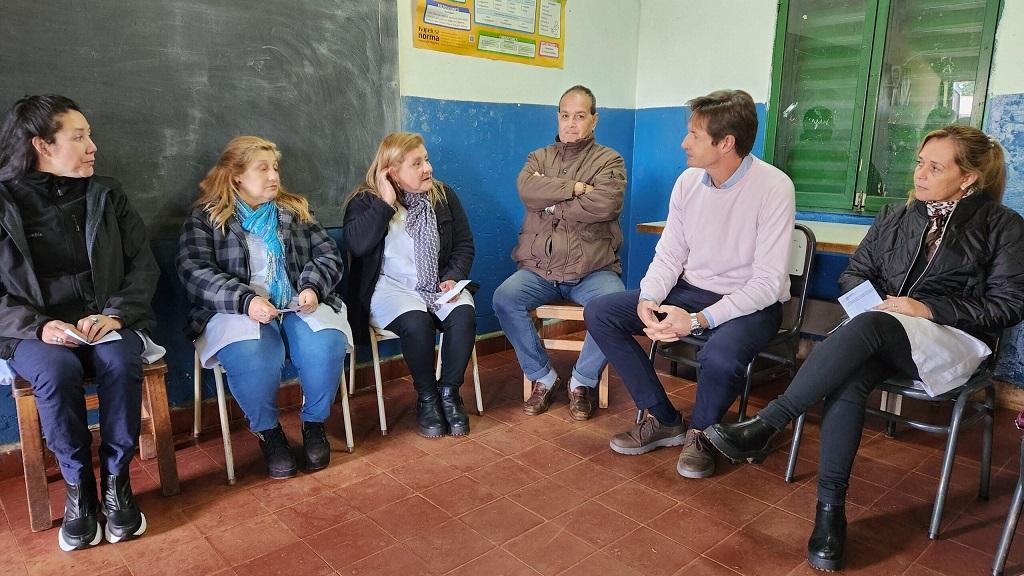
(581, 89)
(30, 116)
(727, 112)
(976, 153)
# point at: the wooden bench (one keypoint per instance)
(564, 311)
(154, 439)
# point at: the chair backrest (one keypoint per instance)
(801, 260)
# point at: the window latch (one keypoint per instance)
(858, 201)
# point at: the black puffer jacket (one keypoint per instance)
(366, 224)
(975, 281)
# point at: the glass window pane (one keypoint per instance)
(824, 69)
(929, 72)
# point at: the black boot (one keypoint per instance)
(316, 445)
(277, 453)
(454, 412)
(124, 519)
(429, 417)
(827, 546)
(80, 529)
(750, 440)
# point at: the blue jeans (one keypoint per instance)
(254, 369)
(723, 358)
(56, 374)
(524, 291)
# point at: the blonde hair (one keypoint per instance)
(975, 153)
(390, 153)
(219, 187)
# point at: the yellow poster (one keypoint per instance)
(524, 31)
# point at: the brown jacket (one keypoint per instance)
(581, 234)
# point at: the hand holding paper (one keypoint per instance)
(860, 299)
(110, 337)
(454, 292)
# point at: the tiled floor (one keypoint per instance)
(534, 495)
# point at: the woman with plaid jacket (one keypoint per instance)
(260, 273)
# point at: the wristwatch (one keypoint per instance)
(695, 328)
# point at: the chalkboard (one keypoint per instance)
(166, 83)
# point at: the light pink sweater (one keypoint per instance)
(734, 241)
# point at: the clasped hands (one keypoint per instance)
(262, 311)
(674, 325)
(91, 328)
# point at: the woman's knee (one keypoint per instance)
(414, 325)
(461, 319)
(262, 355)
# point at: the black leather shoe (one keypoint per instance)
(429, 416)
(124, 519)
(316, 445)
(277, 453)
(79, 529)
(827, 547)
(750, 440)
(454, 412)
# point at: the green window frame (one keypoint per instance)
(857, 83)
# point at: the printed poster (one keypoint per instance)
(523, 31)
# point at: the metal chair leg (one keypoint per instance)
(986, 442)
(1012, 516)
(947, 465)
(746, 393)
(197, 379)
(794, 447)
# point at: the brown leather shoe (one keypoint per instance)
(646, 436)
(581, 403)
(541, 397)
(697, 460)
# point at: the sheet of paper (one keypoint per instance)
(453, 292)
(110, 337)
(860, 299)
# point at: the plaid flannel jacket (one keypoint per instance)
(214, 265)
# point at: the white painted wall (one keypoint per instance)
(688, 48)
(601, 53)
(1007, 73)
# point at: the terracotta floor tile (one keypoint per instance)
(953, 558)
(413, 516)
(350, 542)
(648, 552)
(704, 567)
(449, 545)
(600, 564)
(253, 538)
(497, 562)
(511, 413)
(469, 456)
(424, 473)
(748, 553)
(691, 528)
(588, 478)
(547, 426)
(549, 549)
(392, 561)
(459, 495)
(878, 472)
(917, 570)
(547, 498)
(225, 512)
(316, 514)
(374, 492)
(391, 452)
(546, 458)
(278, 495)
(582, 442)
(501, 520)
(596, 524)
(762, 485)
(345, 473)
(665, 479)
(636, 501)
(43, 557)
(297, 558)
(627, 466)
(727, 505)
(508, 440)
(505, 476)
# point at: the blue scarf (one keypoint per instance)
(262, 223)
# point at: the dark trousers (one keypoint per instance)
(415, 331)
(56, 374)
(843, 370)
(612, 321)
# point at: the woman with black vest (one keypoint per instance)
(76, 280)
(948, 264)
(410, 242)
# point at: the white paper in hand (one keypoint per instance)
(453, 292)
(109, 337)
(860, 299)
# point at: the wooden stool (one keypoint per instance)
(563, 312)
(154, 439)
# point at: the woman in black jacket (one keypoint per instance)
(950, 266)
(410, 243)
(76, 282)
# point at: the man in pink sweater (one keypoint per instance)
(719, 271)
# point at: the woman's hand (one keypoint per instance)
(308, 301)
(906, 306)
(446, 286)
(261, 310)
(53, 333)
(386, 189)
(672, 327)
(96, 326)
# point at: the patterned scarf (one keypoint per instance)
(422, 227)
(262, 223)
(938, 213)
